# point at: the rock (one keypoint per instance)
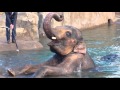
(27, 32)
(27, 23)
(22, 45)
(85, 20)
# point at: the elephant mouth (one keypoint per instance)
(54, 42)
(59, 46)
(56, 45)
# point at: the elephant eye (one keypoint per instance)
(68, 34)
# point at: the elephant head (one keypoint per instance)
(65, 39)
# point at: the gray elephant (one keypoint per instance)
(69, 47)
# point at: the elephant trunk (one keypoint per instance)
(47, 23)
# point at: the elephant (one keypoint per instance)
(69, 47)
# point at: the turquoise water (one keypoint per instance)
(104, 41)
(100, 41)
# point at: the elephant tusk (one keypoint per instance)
(54, 38)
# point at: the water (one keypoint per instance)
(104, 41)
(100, 42)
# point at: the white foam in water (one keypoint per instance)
(116, 49)
(113, 76)
(117, 73)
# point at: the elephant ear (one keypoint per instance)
(80, 48)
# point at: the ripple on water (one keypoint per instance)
(110, 66)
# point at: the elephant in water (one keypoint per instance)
(69, 47)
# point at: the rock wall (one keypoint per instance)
(85, 19)
(82, 20)
(29, 24)
(27, 32)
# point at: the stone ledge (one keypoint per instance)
(22, 45)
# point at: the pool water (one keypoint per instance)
(102, 42)
(103, 45)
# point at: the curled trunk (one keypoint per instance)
(47, 23)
